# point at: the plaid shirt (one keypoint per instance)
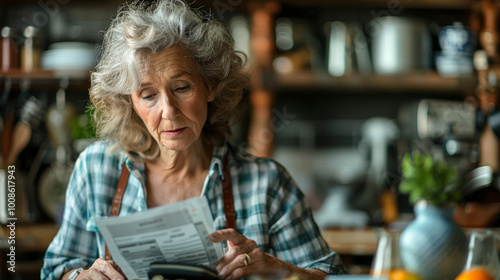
(270, 209)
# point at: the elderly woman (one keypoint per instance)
(165, 92)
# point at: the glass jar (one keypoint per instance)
(387, 258)
(483, 252)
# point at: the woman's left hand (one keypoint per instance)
(243, 258)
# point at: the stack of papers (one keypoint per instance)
(171, 233)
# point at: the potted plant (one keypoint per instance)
(433, 245)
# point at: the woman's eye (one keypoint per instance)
(182, 89)
(147, 96)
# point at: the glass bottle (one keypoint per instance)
(31, 51)
(9, 58)
(483, 252)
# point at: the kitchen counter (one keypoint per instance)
(345, 241)
(29, 237)
(363, 241)
(351, 241)
(31, 241)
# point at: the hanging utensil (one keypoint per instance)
(54, 180)
(53, 183)
(3, 103)
(10, 121)
(59, 117)
(31, 115)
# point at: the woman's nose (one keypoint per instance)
(169, 108)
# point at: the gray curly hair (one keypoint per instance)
(141, 29)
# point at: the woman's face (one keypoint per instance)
(172, 99)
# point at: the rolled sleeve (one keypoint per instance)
(294, 236)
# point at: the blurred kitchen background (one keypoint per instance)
(340, 91)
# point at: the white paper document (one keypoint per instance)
(171, 233)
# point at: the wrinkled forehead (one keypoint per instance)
(174, 58)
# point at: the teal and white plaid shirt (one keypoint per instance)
(270, 209)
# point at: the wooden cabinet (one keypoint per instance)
(302, 86)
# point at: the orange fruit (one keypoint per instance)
(401, 274)
(475, 273)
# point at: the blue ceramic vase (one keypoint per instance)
(433, 245)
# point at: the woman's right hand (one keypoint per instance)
(102, 270)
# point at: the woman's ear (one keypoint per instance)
(211, 92)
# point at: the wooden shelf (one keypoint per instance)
(42, 74)
(358, 4)
(18, 74)
(48, 79)
(425, 82)
(422, 4)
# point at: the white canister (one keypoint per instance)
(400, 45)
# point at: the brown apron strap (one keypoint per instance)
(117, 199)
(227, 192)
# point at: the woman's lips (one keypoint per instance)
(175, 132)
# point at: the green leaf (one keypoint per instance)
(406, 165)
(427, 163)
(427, 178)
(406, 187)
(415, 195)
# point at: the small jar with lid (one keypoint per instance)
(9, 58)
(31, 51)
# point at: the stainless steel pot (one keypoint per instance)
(400, 45)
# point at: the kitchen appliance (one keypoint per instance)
(442, 127)
(352, 179)
(400, 45)
(378, 135)
(328, 176)
(341, 172)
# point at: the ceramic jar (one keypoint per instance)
(433, 245)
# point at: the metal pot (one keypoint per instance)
(400, 45)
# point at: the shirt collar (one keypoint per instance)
(132, 162)
(217, 164)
